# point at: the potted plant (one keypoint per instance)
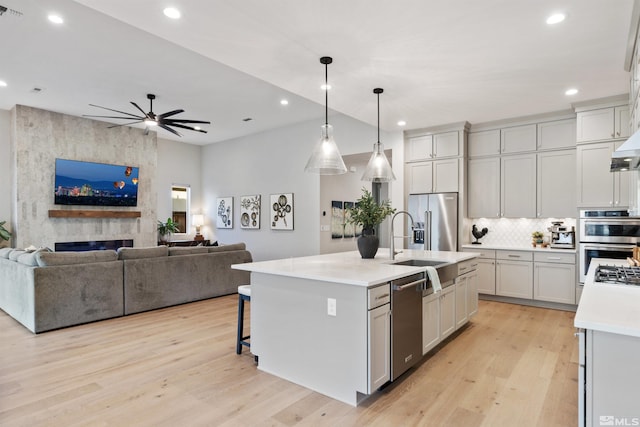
(368, 214)
(165, 229)
(4, 233)
(537, 237)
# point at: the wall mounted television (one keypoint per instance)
(95, 184)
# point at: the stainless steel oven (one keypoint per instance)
(606, 234)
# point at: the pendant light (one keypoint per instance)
(326, 159)
(378, 169)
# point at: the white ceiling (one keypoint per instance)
(439, 61)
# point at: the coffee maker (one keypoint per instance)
(561, 236)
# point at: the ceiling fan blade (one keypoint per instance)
(117, 111)
(138, 107)
(188, 127)
(115, 117)
(186, 121)
(170, 113)
(165, 127)
(125, 124)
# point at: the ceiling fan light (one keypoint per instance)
(378, 169)
(172, 12)
(325, 158)
(150, 122)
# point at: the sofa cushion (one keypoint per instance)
(45, 259)
(137, 253)
(29, 258)
(4, 252)
(14, 254)
(189, 250)
(224, 248)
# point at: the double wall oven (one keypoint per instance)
(606, 234)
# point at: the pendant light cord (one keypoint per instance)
(378, 117)
(326, 94)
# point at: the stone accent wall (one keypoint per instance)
(38, 137)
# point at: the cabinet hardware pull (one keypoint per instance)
(382, 296)
(554, 258)
(514, 256)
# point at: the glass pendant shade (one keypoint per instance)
(325, 158)
(378, 169)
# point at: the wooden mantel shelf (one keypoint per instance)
(93, 214)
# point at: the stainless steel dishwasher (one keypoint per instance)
(406, 322)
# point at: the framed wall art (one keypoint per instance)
(224, 219)
(349, 229)
(281, 211)
(250, 212)
(337, 220)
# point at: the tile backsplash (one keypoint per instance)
(513, 231)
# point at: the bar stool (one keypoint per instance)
(244, 294)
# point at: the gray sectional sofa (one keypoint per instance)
(46, 290)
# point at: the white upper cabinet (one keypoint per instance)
(518, 139)
(483, 183)
(485, 143)
(435, 146)
(603, 124)
(557, 184)
(597, 186)
(557, 134)
(518, 186)
(438, 176)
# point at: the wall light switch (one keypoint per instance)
(324, 228)
(331, 306)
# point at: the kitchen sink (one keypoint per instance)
(420, 263)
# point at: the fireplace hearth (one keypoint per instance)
(93, 245)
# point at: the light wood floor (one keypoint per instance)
(512, 366)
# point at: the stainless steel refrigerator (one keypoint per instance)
(435, 221)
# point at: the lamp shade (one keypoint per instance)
(378, 169)
(325, 158)
(198, 220)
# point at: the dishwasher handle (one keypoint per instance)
(409, 285)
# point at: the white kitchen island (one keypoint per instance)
(311, 323)
(609, 374)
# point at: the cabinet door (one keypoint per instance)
(446, 145)
(557, 134)
(484, 188)
(556, 184)
(447, 312)
(487, 276)
(420, 177)
(518, 186)
(485, 143)
(554, 282)
(621, 182)
(595, 125)
(514, 279)
(518, 139)
(430, 322)
(445, 176)
(461, 301)
(595, 181)
(420, 148)
(379, 347)
(472, 294)
(622, 127)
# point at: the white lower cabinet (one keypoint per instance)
(430, 322)
(514, 274)
(472, 294)
(554, 278)
(379, 331)
(461, 301)
(447, 311)
(486, 276)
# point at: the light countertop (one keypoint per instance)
(608, 307)
(349, 268)
(519, 248)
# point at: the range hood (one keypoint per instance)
(627, 156)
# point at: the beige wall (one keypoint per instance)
(5, 171)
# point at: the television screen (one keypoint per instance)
(95, 184)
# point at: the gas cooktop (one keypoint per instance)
(618, 275)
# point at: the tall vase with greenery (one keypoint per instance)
(4, 233)
(368, 214)
(166, 229)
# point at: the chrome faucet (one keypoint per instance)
(392, 252)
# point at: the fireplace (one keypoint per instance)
(93, 245)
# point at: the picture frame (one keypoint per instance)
(281, 211)
(224, 216)
(337, 219)
(250, 212)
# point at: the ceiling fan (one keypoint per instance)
(152, 119)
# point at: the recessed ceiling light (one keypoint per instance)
(3, 83)
(556, 18)
(325, 87)
(284, 102)
(402, 123)
(172, 12)
(56, 19)
(571, 91)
